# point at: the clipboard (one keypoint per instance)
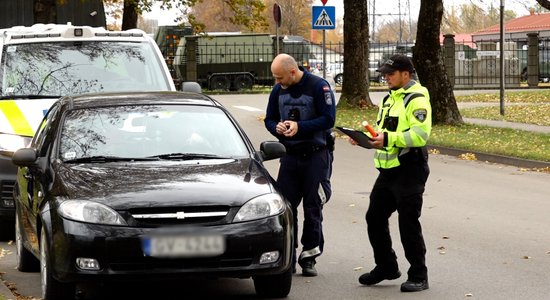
(360, 137)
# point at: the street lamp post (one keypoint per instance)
(502, 57)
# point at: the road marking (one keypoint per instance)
(249, 108)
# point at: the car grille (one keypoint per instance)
(6, 187)
(180, 215)
(189, 264)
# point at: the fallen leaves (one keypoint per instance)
(467, 156)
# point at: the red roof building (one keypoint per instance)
(518, 28)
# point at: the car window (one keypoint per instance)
(70, 68)
(142, 131)
(45, 128)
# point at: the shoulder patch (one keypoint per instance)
(326, 88)
(420, 114)
(328, 98)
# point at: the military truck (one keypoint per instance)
(234, 61)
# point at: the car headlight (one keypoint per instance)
(260, 207)
(11, 142)
(90, 212)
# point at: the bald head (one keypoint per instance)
(285, 70)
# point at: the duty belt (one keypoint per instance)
(304, 150)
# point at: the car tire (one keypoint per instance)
(26, 262)
(274, 286)
(51, 288)
(339, 79)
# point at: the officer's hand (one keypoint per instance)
(281, 128)
(352, 141)
(291, 128)
(378, 141)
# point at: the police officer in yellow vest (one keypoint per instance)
(404, 125)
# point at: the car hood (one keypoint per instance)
(164, 184)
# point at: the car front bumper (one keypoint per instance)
(119, 252)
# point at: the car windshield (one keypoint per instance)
(176, 132)
(71, 68)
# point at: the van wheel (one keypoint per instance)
(274, 286)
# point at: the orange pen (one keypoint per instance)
(369, 128)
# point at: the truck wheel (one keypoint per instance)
(243, 82)
(219, 83)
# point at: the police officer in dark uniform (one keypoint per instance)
(301, 114)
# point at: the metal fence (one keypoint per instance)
(246, 63)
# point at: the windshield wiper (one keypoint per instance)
(29, 97)
(187, 156)
(99, 158)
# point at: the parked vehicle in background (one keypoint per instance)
(168, 38)
(337, 72)
(148, 186)
(41, 63)
(232, 60)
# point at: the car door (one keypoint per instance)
(33, 180)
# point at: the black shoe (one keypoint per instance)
(308, 268)
(374, 277)
(414, 286)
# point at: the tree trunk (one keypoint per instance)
(429, 65)
(355, 88)
(130, 14)
(45, 11)
(544, 3)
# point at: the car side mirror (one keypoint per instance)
(25, 157)
(272, 150)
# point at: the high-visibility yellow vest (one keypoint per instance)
(405, 116)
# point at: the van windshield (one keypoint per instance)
(71, 68)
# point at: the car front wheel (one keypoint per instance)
(274, 286)
(26, 262)
(51, 288)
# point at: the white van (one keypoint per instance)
(40, 63)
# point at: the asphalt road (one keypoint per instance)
(486, 229)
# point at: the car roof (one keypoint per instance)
(137, 98)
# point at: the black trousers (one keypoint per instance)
(399, 189)
(304, 179)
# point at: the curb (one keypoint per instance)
(5, 292)
(493, 158)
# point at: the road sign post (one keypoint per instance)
(323, 17)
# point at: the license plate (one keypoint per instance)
(183, 246)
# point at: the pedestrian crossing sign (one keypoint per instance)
(324, 17)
